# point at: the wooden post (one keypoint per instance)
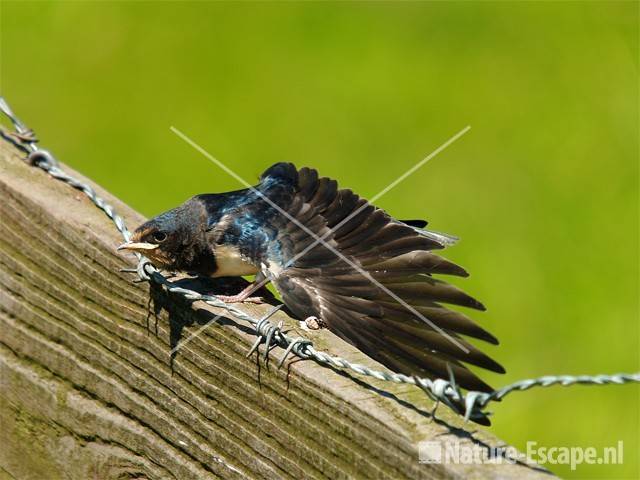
(89, 389)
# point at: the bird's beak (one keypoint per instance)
(137, 246)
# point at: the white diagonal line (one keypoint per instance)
(420, 163)
(194, 334)
(359, 269)
(320, 240)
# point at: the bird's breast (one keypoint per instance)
(231, 263)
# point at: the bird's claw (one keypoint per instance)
(256, 300)
(240, 299)
(27, 136)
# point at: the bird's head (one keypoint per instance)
(173, 239)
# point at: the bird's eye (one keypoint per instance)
(159, 237)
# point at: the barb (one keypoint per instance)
(471, 404)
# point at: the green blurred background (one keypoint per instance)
(543, 190)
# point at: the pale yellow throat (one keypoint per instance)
(231, 263)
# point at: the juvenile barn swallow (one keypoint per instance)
(330, 254)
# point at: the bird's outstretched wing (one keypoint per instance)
(374, 287)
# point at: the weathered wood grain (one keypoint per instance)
(89, 389)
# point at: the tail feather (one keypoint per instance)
(416, 336)
(428, 289)
(433, 365)
(450, 320)
(415, 262)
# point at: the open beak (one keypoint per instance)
(137, 246)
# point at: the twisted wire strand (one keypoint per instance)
(470, 404)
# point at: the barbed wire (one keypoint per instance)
(471, 404)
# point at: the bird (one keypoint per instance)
(333, 257)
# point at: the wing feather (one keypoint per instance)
(389, 256)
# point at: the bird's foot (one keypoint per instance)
(312, 323)
(240, 298)
(244, 295)
(27, 136)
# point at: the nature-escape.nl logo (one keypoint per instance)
(454, 452)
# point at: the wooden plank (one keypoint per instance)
(89, 389)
